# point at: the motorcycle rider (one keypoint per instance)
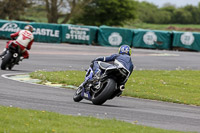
(24, 39)
(123, 58)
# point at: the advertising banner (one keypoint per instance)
(42, 32)
(50, 33)
(79, 34)
(188, 40)
(109, 36)
(9, 27)
(152, 39)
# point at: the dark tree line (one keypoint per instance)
(64, 9)
(168, 14)
(107, 12)
(12, 9)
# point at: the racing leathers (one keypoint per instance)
(24, 40)
(118, 59)
(122, 59)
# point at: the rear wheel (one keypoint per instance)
(104, 93)
(10, 66)
(77, 95)
(6, 60)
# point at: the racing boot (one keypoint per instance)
(21, 59)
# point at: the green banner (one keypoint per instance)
(109, 36)
(188, 40)
(9, 27)
(42, 32)
(79, 34)
(50, 33)
(152, 39)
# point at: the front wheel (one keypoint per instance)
(77, 95)
(6, 60)
(104, 93)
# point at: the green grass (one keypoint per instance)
(181, 86)
(178, 86)
(62, 77)
(16, 120)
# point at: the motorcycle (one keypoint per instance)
(106, 86)
(12, 56)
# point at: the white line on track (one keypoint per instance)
(14, 74)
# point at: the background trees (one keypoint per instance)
(168, 14)
(147, 12)
(64, 9)
(97, 12)
(107, 12)
(12, 9)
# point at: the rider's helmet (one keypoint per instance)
(29, 28)
(125, 49)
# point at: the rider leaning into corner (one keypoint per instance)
(123, 58)
(24, 39)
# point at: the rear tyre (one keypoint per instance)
(77, 95)
(104, 93)
(6, 61)
(10, 67)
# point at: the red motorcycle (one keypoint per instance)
(12, 56)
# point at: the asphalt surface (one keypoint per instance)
(56, 57)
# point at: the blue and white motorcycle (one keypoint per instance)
(106, 86)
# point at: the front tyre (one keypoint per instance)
(104, 93)
(77, 95)
(6, 60)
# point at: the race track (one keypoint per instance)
(54, 57)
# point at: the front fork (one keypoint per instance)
(89, 74)
(86, 93)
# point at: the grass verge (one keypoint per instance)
(16, 120)
(178, 86)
